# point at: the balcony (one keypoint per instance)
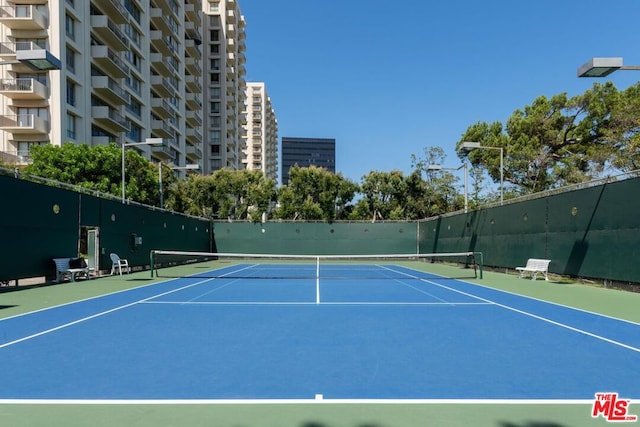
(193, 153)
(193, 118)
(24, 124)
(193, 48)
(163, 43)
(192, 30)
(109, 61)
(109, 32)
(34, 2)
(23, 89)
(164, 151)
(109, 118)
(193, 83)
(193, 135)
(168, 6)
(193, 66)
(159, 19)
(109, 90)
(193, 101)
(160, 65)
(22, 17)
(162, 129)
(113, 9)
(162, 108)
(231, 58)
(193, 13)
(162, 87)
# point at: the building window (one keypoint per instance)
(70, 27)
(135, 132)
(135, 108)
(71, 59)
(214, 136)
(71, 93)
(215, 107)
(71, 126)
(133, 10)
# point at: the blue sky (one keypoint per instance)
(388, 79)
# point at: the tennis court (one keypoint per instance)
(305, 331)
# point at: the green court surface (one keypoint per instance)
(316, 413)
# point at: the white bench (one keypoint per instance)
(535, 266)
(65, 271)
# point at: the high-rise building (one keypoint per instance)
(262, 132)
(224, 85)
(131, 70)
(305, 152)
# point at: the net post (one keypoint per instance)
(480, 264)
(317, 280)
(151, 260)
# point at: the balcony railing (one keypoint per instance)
(24, 123)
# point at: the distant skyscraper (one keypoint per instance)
(261, 128)
(305, 152)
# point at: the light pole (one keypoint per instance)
(148, 141)
(602, 67)
(187, 167)
(466, 180)
(473, 145)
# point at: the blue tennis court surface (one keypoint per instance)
(365, 332)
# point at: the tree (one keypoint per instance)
(439, 193)
(383, 196)
(230, 194)
(559, 141)
(97, 168)
(315, 194)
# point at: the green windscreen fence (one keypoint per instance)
(320, 238)
(40, 222)
(590, 232)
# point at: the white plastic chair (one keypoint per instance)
(118, 264)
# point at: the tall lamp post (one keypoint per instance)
(473, 145)
(466, 180)
(148, 141)
(187, 167)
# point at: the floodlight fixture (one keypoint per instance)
(602, 67)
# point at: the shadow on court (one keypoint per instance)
(532, 424)
(316, 424)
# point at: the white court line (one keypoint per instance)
(526, 313)
(310, 303)
(93, 316)
(301, 401)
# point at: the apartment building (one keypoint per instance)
(262, 132)
(130, 70)
(224, 86)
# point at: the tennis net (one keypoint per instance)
(174, 264)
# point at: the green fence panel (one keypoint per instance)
(37, 223)
(132, 231)
(594, 232)
(316, 238)
(46, 222)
